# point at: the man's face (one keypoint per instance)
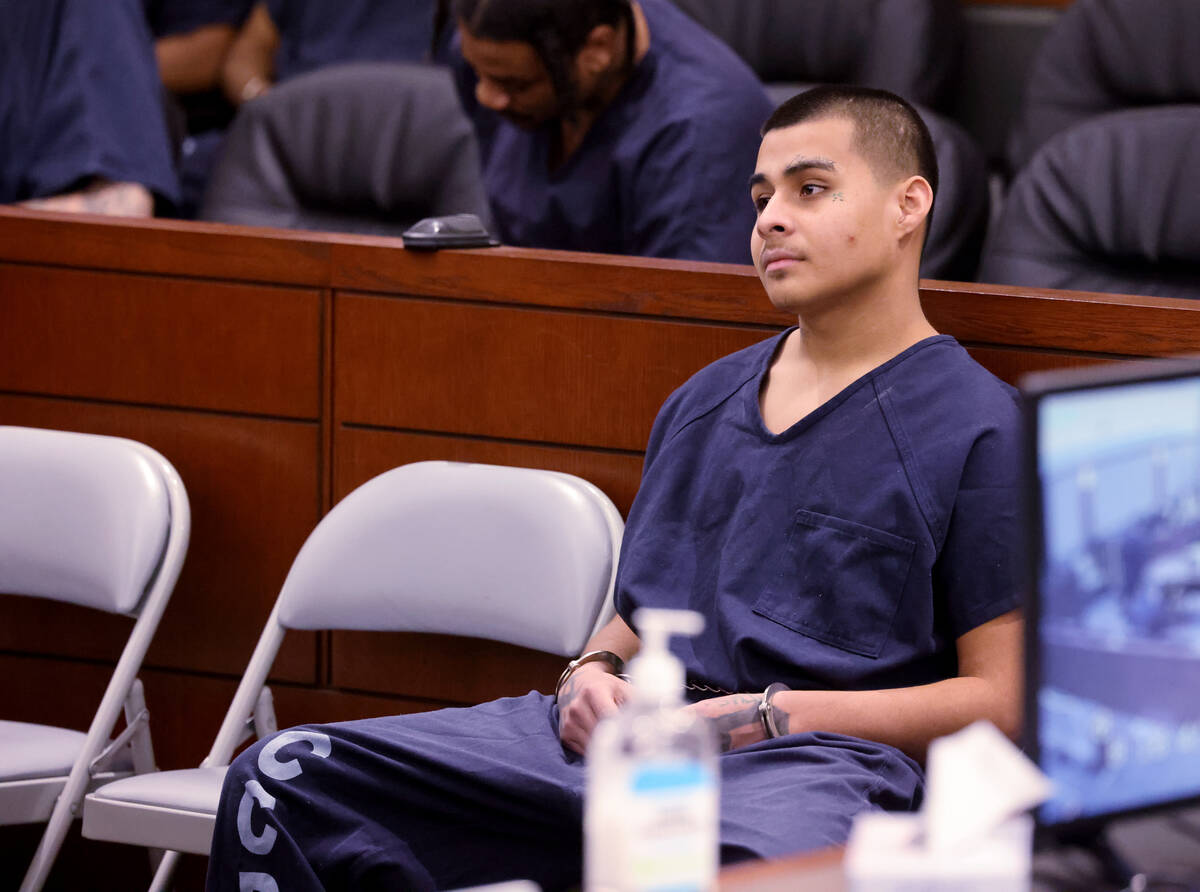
(822, 231)
(513, 81)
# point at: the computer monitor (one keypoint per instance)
(1113, 615)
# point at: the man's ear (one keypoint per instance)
(914, 200)
(599, 50)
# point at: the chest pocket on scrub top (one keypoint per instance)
(839, 582)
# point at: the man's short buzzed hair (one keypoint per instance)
(888, 132)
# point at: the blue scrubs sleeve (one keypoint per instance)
(94, 104)
(978, 563)
(168, 17)
(690, 197)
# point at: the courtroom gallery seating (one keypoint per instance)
(1108, 205)
(1104, 56)
(361, 147)
(910, 48)
(907, 48)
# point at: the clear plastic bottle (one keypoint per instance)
(651, 809)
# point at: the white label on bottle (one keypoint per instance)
(671, 843)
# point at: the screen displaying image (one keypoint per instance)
(1118, 697)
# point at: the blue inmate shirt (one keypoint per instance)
(316, 33)
(168, 17)
(847, 552)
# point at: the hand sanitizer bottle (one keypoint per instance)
(651, 809)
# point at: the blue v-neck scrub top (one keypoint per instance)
(847, 552)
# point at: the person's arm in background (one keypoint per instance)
(249, 67)
(100, 197)
(191, 62)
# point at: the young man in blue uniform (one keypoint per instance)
(611, 126)
(839, 501)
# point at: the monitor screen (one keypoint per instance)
(1113, 652)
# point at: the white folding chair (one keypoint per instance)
(511, 554)
(102, 522)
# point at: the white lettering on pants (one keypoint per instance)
(257, 882)
(273, 768)
(262, 843)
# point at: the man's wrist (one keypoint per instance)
(767, 711)
(601, 657)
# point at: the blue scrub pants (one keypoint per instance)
(459, 797)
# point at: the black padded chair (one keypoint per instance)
(363, 147)
(911, 47)
(1104, 56)
(1109, 205)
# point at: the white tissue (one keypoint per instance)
(972, 833)
(975, 780)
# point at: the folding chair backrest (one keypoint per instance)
(513, 554)
(83, 518)
(102, 522)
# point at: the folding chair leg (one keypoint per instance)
(47, 850)
(166, 869)
(140, 746)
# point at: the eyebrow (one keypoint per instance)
(799, 164)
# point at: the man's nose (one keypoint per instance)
(490, 96)
(772, 219)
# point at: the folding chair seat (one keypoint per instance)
(517, 555)
(101, 522)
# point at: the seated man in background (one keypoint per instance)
(611, 126)
(81, 110)
(283, 38)
(838, 500)
(191, 39)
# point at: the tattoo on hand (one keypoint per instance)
(570, 690)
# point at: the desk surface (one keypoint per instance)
(813, 872)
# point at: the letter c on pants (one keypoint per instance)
(273, 768)
(257, 882)
(258, 845)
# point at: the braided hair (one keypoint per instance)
(556, 29)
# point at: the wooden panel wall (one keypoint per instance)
(279, 370)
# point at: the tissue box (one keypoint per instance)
(887, 853)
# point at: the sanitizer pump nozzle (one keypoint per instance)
(656, 673)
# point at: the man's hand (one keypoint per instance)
(735, 716)
(588, 695)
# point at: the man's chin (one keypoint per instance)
(525, 122)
